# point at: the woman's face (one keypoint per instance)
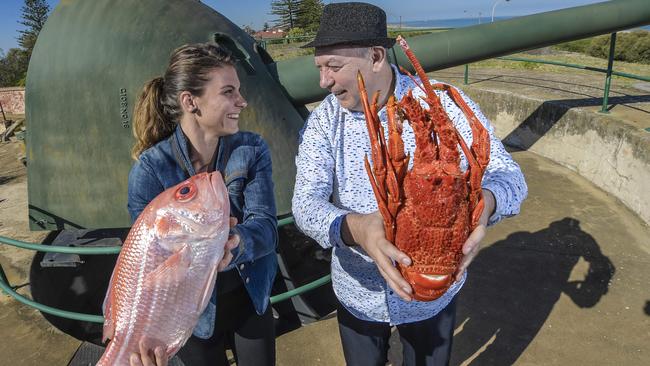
(221, 102)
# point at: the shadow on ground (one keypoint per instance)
(514, 285)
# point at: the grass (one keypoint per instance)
(569, 58)
(281, 52)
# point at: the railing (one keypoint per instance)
(10, 290)
(608, 71)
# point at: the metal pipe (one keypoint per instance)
(61, 249)
(466, 76)
(300, 290)
(456, 47)
(48, 309)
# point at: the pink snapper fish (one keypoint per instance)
(167, 269)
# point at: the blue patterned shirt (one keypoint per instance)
(331, 181)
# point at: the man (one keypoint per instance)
(334, 203)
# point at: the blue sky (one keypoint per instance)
(255, 12)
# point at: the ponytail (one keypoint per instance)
(149, 122)
(158, 109)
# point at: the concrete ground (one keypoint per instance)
(566, 282)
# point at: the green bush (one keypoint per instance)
(574, 46)
(630, 46)
(642, 50)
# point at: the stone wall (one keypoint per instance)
(611, 154)
(13, 100)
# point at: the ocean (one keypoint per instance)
(454, 23)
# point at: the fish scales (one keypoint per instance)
(166, 270)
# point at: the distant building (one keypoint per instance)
(272, 33)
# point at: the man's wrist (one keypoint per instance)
(347, 237)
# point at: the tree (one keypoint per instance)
(309, 13)
(13, 67)
(34, 17)
(266, 26)
(287, 11)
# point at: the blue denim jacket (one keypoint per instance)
(245, 162)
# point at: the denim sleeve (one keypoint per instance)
(258, 232)
(144, 186)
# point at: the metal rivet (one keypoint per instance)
(241, 267)
(248, 279)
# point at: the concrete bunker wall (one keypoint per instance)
(611, 154)
(13, 100)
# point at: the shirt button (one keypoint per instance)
(241, 267)
(248, 279)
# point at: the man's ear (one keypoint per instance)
(187, 102)
(378, 55)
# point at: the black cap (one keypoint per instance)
(352, 24)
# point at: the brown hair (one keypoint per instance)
(158, 109)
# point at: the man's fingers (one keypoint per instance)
(474, 239)
(470, 250)
(395, 254)
(391, 273)
(405, 295)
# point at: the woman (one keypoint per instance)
(186, 122)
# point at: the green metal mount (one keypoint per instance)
(9, 290)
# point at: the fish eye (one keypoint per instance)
(185, 192)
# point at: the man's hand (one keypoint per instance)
(148, 355)
(473, 242)
(232, 243)
(368, 232)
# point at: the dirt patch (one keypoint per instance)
(33, 340)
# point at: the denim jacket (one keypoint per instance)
(244, 160)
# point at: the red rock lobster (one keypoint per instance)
(429, 210)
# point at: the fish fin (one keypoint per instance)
(108, 330)
(173, 270)
(207, 291)
(107, 309)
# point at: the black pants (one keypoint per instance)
(238, 327)
(427, 342)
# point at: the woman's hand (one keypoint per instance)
(148, 356)
(232, 243)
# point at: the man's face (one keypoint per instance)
(338, 68)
